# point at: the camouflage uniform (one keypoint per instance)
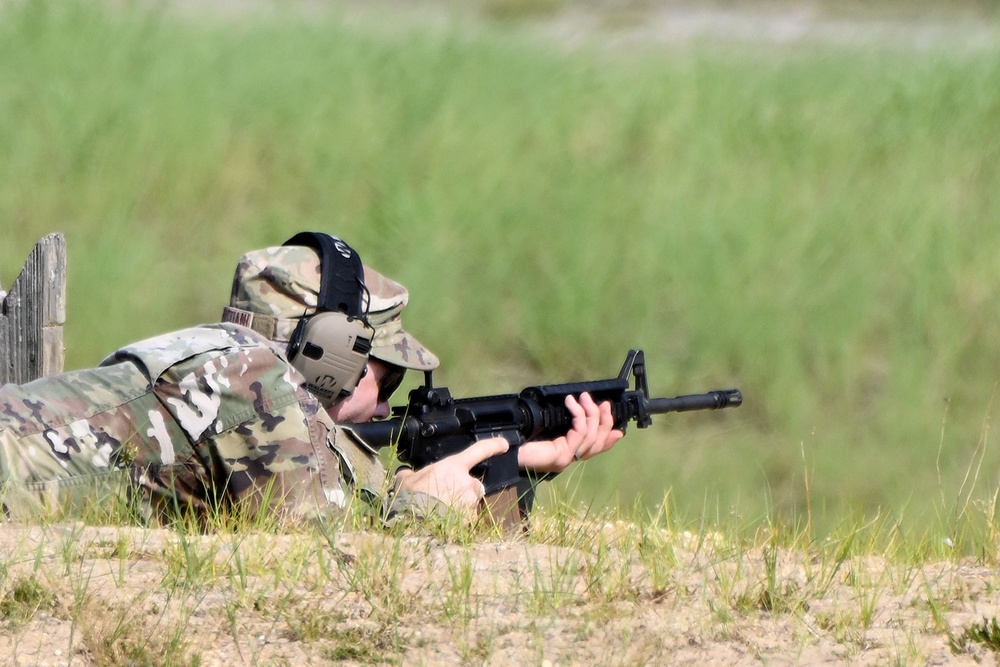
(205, 417)
(198, 419)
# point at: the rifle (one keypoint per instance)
(434, 425)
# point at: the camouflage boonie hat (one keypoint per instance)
(392, 343)
(275, 287)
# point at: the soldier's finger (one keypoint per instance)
(607, 421)
(590, 431)
(573, 404)
(600, 426)
(607, 434)
(481, 450)
(575, 436)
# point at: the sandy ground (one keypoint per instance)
(368, 598)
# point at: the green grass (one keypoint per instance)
(815, 225)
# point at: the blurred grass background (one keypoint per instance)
(815, 224)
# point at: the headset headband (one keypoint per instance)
(330, 347)
(342, 278)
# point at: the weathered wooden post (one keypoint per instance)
(33, 313)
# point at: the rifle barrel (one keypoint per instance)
(713, 400)
(408, 428)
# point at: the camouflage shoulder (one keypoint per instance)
(155, 355)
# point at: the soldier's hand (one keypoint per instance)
(592, 433)
(449, 480)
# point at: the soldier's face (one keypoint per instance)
(364, 403)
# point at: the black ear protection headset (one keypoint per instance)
(330, 347)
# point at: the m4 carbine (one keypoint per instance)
(434, 425)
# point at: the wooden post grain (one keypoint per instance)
(32, 315)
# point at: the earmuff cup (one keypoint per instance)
(331, 351)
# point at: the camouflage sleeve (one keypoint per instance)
(275, 461)
(61, 438)
(199, 420)
(414, 506)
(370, 478)
(239, 429)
